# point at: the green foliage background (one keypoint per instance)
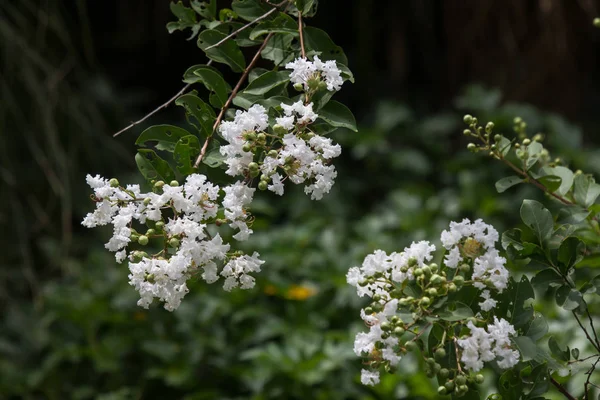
(70, 327)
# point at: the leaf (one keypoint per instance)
(245, 100)
(593, 286)
(319, 41)
(456, 311)
(570, 252)
(278, 49)
(526, 346)
(539, 380)
(202, 112)
(512, 237)
(546, 277)
(551, 182)
(572, 215)
(569, 299)
(186, 151)
(227, 53)
(213, 158)
(282, 23)
(165, 135)
(153, 167)
(505, 183)
(186, 18)
(267, 81)
(503, 145)
(249, 10)
(538, 328)
(565, 174)
(557, 352)
(206, 10)
(537, 218)
(586, 190)
(338, 115)
(534, 151)
(212, 80)
(515, 303)
(575, 353)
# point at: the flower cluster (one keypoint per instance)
(407, 292)
(311, 73)
(489, 345)
(293, 151)
(179, 216)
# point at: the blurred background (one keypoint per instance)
(74, 72)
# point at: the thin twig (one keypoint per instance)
(587, 381)
(230, 99)
(232, 34)
(301, 32)
(587, 310)
(562, 389)
(165, 105)
(586, 332)
(457, 357)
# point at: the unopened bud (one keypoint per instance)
(174, 183)
(468, 119)
(246, 147)
(526, 142)
(471, 147)
(299, 86)
(489, 127)
(143, 240)
(263, 185)
(159, 184)
(114, 183)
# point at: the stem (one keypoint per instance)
(587, 381)
(586, 332)
(230, 99)
(301, 32)
(457, 357)
(562, 389)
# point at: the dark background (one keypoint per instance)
(74, 72)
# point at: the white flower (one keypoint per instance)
(277, 185)
(488, 302)
(237, 196)
(303, 70)
(330, 72)
(236, 271)
(369, 377)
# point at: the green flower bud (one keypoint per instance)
(479, 378)
(440, 353)
(174, 183)
(444, 373)
(471, 147)
(436, 279)
(363, 283)
(150, 278)
(538, 137)
(489, 127)
(386, 326)
(464, 267)
(463, 388)
(460, 380)
(385, 335)
(114, 183)
(432, 292)
(272, 153)
(442, 391)
(254, 173)
(253, 166)
(412, 262)
(497, 138)
(150, 232)
(246, 147)
(143, 240)
(434, 267)
(458, 280)
(395, 293)
(368, 310)
(263, 185)
(429, 373)
(425, 301)
(376, 297)
(437, 368)
(526, 142)
(299, 87)
(159, 184)
(313, 83)
(398, 331)
(517, 120)
(134, 237)
(467, 132)
(250, 136)
(379, 345)
(377, 307)
(159, 225)
(174, 242)
(264, 177)
(418, 272)
(261, 137)
(147, 201)
(468, 119)
(426, 270)
(449, 386)
(410, 345)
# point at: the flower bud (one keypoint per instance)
(517, 120)
(460, 380)
(246, 147)
(395, 293)
(497, 138)
(368, 310)
(174, 183)
(134, 237)
(412, 262)
(468, 119)
(174, 242)
(410, 345)
(425, 301)
(434, 267)
(299, 86)
(449, 386)
(440, 353)
(444, 373)
(313, 83)
(467, 132)
(442, 391)
(464, 267)
(159, 225)
(399, 331)
(432, 292)
(147, 201)
(254, 173)
(114, 183)
(150, 232)
(261, 137)
(249, 136)
(458, 280)
(479, 378)
(272, 153)
(263, 185)
(426, 270)
(159, 184)
(143, 240)
(489, 127)
(377, 307)
(386, 326)
(436, 279)
(471, 147)
(253, 166)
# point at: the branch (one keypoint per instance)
(587, 381)
(586, 332)
(232, 34)
(562, 389)
(301, 32)
(229, 100)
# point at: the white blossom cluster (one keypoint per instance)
(192, 207)
(396, 267)
(304, 70)
(483, 346)
(301, 158)
(476, 241)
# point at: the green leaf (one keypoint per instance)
(213, 158)
(249, 10)
(186, 151)
(515, 303)
(557, 352)
(283, 23)
(505, 183)
(570, 253)
(318, 41)
(503, 145)
(512, 237)
(345, 72)
(572, 215)
(456, 311)
(338, 115)
(212, 80)
(165, 136)
(551, 182)
(538, 328)
(526, 346)
(278, 49)
(586, 190)
(546, 277)
(267, 81)
(539, 380)
(534, 151)
(575, 353)
(593, 286)
(227, 53)
(565, 174)
(153, 167)
(245, 100)
(569, 299)
(198, 109)
(206, 10)
(537, 218)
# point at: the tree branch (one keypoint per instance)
(587, 381)
(301, 32)
(230, 99)
(562, 389)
